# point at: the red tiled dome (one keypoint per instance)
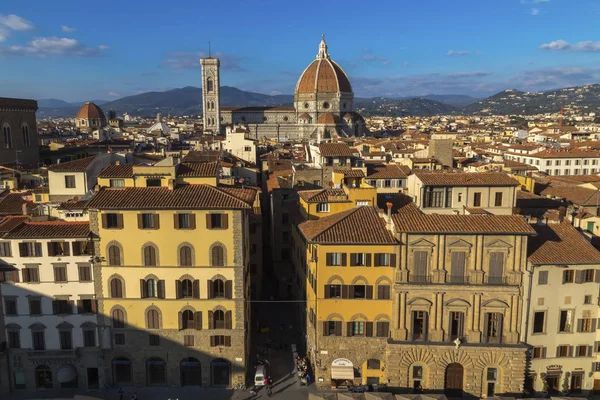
(90, 111)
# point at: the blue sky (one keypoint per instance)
(75, 50)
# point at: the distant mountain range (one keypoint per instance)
(188, 101)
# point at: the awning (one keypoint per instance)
(342, 372)
(67, 373)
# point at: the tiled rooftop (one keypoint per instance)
(50, 229)
(561, 244)
(73, 166)
(466, 179)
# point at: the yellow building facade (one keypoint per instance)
(172, 276)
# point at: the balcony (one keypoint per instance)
(457, 280)
(419, 279)
(495, 280)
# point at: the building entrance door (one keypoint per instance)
(454, 380)
(596, 386)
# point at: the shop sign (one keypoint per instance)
(342, 362)
(53, 361)
(554, 367)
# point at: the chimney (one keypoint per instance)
(171, 184)
(389, 211)
(117, 162)
(24, 209)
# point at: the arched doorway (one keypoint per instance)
(156, 372)
(191, 372)
(220, 372)
(43, 377)
(453, 386)
(121, 368)
(67, 377)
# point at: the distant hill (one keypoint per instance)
(401, 107)
(455, 100)
(55, 103)
(581, 98)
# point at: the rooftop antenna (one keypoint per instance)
(209, 56)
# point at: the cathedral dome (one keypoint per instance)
(328, 119)
(90, 111)
(323, 75)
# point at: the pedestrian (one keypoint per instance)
(120, 392)
(307, 379)
(134, 396)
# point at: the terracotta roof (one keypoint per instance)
(335, 150)
(50, 229)
(181, 197)
(247, 195)
(9, 223)
(323, 76)
(566, 154)
(328, 119)
(117, 171)
(72, 166)
(358, 225)
(389, 171)
(324, 196)
(467, 179)
(575, 194)
(352, 173)
(12, 204)
(409, 221)
(561, 244)
(90, 111)
(198, 169)
(202, 156)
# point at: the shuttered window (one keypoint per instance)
(457, 269)
(150, 256)
(420, 265)
(118, 319)
(114, 255)
(496, 271)
(152, 319)
(116, 288)
(185, 256)
(217, 256)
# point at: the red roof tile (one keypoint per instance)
(389, 171)
(117, 171)
(9, 223)
(73, 166)
(51, 229)
(561, 244)
(208, 169)
(335, 150)
(323, 195)
(466, 178)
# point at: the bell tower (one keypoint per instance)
(211, 106)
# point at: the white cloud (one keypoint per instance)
(3, 34)
(534, 11)
(587, 46)
(366, 56)
(66, 28)
(113, 94)
(53, 46)
(16, 23)
(458, 52)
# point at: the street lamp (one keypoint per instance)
(92, 238)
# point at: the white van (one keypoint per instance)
(260, 375)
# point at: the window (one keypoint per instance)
(185, 256)
(565, 321)
(568, 276)
(38, 339)
(119, 339)
(70, 181)
(35, 306)
(493, 328)
(117, 183)
(492, 376)
(152, 319)
(586, 325)
(31, 274)
(114, 255)
(61, 307)
(382, 259)
(562, 351)
(220, 340)
(498, 199)
(187, 320)
(435, 197)
(150, 256)
(417, 373)
(358, 328)
(538, 321)
(153, 340)
(538, 352)
(373, 364)
(496, 272)
(362, 202)
(383, 292)
(148, 221)
(557, 162)
(335, 259)
(89, 338)
(153, 182)
(14, 339)
(247, 148)
(185, 221)
(25, 133)
(10, 306)
(66, 341)
(217, 253)
(477, 199)
(419, 272)
(7, 137)
(419, 325)
(334, 291)
(85, 273)
(30, 249)
(382, 329)
(217, 221)
(588, 275)
(218, 288)
(58, 249)
(285, 237)
(118, 319)
(60, 273)
(587, 299)
(332, 328)
(567, 162)
(116, 288)
(82, 248)
(457, 267)
(543, 278)
(582, 351)
(218, 320)
(188, 340)
(187, 288)
(323, 207)
(457, 321)
(360, 260)
(209, 85)
(360, 291)
(5, 249)
(285, 218)
(548, 163)
(112, 221)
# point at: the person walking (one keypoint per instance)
(134, 396)
(120, 392)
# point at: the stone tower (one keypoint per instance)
(211, 107)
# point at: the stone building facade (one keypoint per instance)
(211, 99)
(18, 132)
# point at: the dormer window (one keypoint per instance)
(323, 207)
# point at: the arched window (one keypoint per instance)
(187, 288)
(151, 288)
(25, 133)
(43, 377)
(219, 319)
(118, 319)
(149, 256)
(187, 320)
(217, 256)
(121, 367)
(152, 319)
(156, 372)
(191, 372)
(218, 287)
(114, 255)
(7, 134)
(209, 84)
(185, 256)
(116, 288)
